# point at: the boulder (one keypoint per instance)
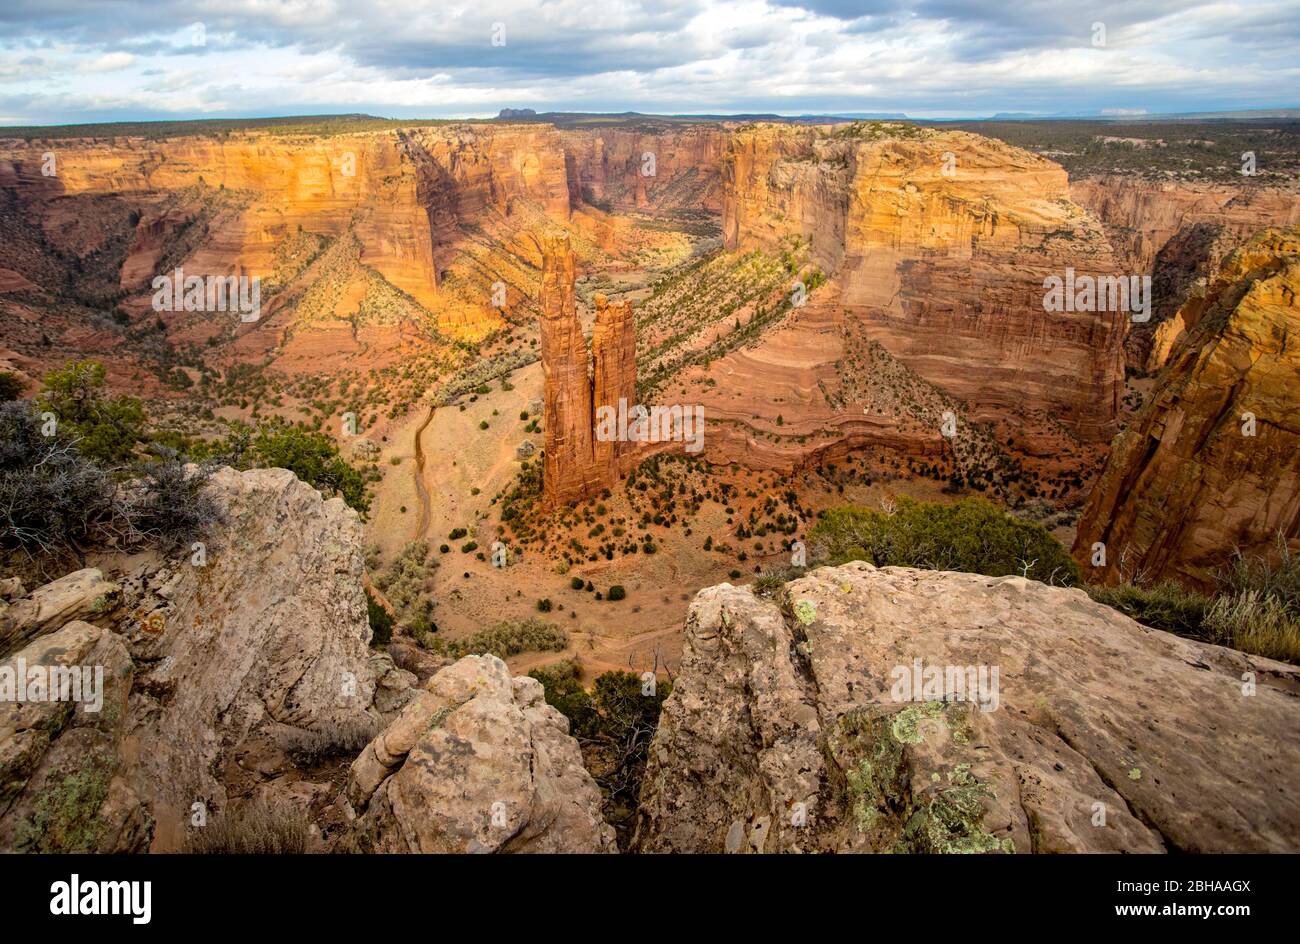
(815, 723)
(476, 762)
(82, 594)
(62, 718)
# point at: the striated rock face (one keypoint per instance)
(1184, 485)
(1179, 233)
(568, 469)
(784, 732)
(634, 169)
(478, 762)
(575, 464)
(941, 242)
(269, 636)
(402, 195)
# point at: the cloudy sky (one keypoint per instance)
(106, 60)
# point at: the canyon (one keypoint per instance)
(819, 292)
(857, 311)
(1211, 465)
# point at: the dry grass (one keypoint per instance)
(252, 829)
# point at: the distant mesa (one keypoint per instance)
(517, 113)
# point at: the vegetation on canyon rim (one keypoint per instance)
(79, 468)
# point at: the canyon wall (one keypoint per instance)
(1179, 233)
(403, 194)
(608, 167)
(1212, 462)
(941, 241)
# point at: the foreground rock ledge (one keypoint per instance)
(477, 762)
(781, 734)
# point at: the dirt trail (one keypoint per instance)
(423, 524)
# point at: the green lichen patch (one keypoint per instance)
(897, 815)
(66, 818)
(951, 819)
(805, 611)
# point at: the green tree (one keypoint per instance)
(970, 535)
(313, 457)
(107, 428)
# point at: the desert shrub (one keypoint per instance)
(252, 829)
(171, 504)
(309, 746)
(544, 605)
(106, 429)
(616, 592)
(381, 621)
(970, 535)
(509, 638)
(52, 497)
(1255, 606)
(11, 386)
(561, 682)
(1256, 623)
(1275, 578)
(1165, 606)
(770, 582)
(613, 724)
(405, 582)
(576, 583)
(313, 457)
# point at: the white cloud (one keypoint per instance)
(411, 57)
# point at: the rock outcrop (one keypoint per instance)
(215, 675)
(63, 711)
(795, 727)
(940, 242)
(613, 355)
(1212, 462)
(575, 463)
(81, 595)
(263, 639)
(477, 762)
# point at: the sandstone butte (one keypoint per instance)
(575, 463)
(1212, 462)
(939, 243)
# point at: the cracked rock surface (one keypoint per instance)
(477, 762)
(784, 732)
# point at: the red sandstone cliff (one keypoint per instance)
(1179, 233)
(613, 354)
(1188, 482)
(609, 166)
(940, 242)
